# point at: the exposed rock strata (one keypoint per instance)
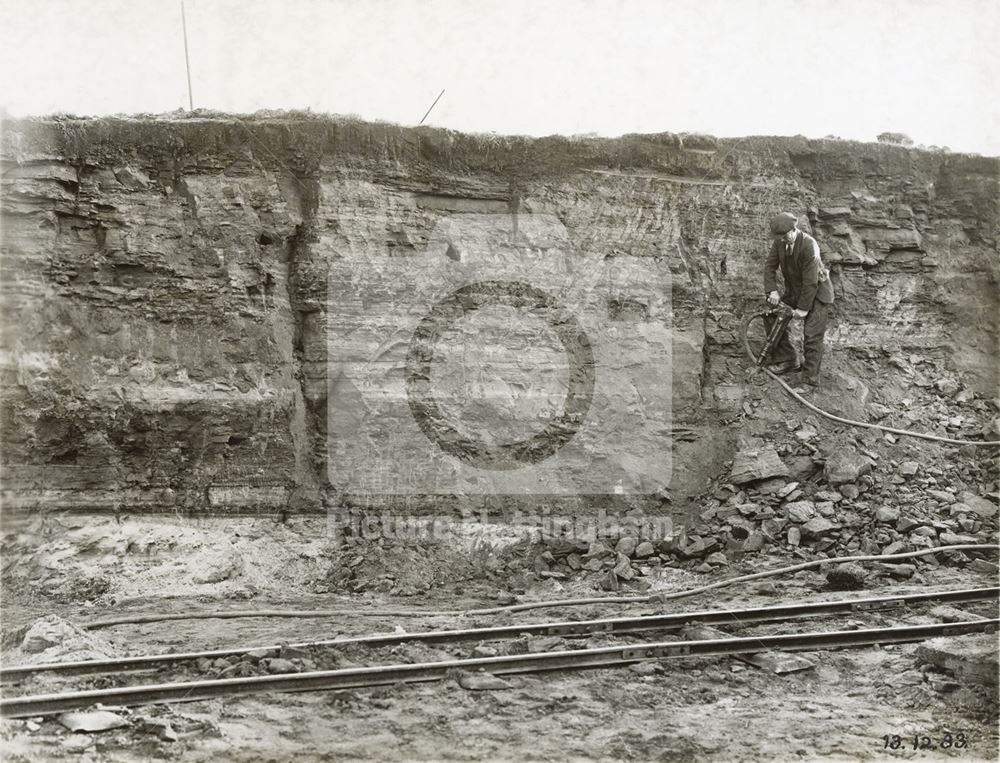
(166, 282)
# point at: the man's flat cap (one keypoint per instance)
(783, 223)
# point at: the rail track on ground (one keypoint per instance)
(627, 629)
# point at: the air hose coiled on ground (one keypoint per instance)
(850, 422)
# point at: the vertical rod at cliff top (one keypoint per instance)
(187, 61)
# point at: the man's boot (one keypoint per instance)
(783, 368)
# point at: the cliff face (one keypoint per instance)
(177, 294)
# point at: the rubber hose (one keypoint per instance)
(138, 619)
(746, 345)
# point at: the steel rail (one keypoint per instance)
(609, 626)
(354, 678)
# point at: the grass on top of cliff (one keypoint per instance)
(301, 139)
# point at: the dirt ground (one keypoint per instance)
(715, 709)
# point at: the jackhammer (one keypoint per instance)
(782, 315)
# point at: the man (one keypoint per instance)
(807, 290)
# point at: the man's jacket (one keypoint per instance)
(806, 278)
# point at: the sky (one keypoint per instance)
(850, 68)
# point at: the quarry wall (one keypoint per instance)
(187, 302)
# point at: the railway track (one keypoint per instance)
(29, 705)
(571, 628)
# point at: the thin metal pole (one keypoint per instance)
(187, 61)
(432, 106)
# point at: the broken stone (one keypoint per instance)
(787, 490)
(279, 665)
(971, 658)
(770, 487)
(623, 569)
(77, 743)
(947, 387)
(828, 495)
(886, 514)
(905, 524)
(897, 570)
(954, 539)
(47, 632)
(909, 468)
(879, 411)
(896, 547)
(846, 465)
(717, 558)
(699, 547)
(825, 508)
(849, 491)
(610, 582)
(846, 577)
(481, 681)
(800, 511)
(644, 549)
(92, 720)
(626, 546)
(981, 565)
(160, 727)
(978, 505)
(817, 527)
(794, 536)
(645, 668)
(756, 462)
(773, 527)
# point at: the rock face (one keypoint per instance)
(173, 287)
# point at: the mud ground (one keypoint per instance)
(681, 709)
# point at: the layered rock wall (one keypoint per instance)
(167, 283)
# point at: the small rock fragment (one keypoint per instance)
(645, 668)
(886, 514)
(92, 720)
(626, 545)
(481, 682)
(644, 549)
(817, 527)
(846, 465)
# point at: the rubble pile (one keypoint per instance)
(409, 568)
(786, 495)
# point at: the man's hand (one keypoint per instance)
(772, 298)
(800, 314)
